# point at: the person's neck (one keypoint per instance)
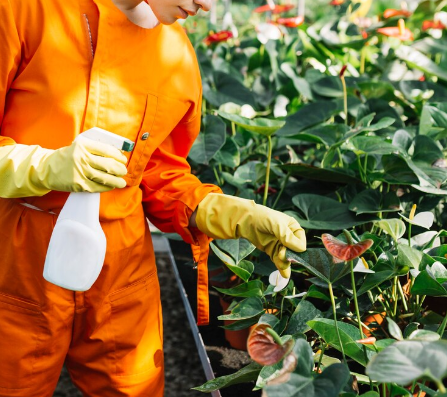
(142, 15)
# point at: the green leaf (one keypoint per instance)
(408, 256)
(229, 154)
(394, 227)
(259, 125)
(238, 249)
(329, 86)
(324, 213)
(301, 84)
(308, 116)
(384, 270)
(246, 374)
(251, 172)
(320, 174)
(426, 284)
(407, 361)
(377, 89)
(417, 60)
(371, 201)
(320, 263)
(327, 384)
(245, 309)
(209, 141)
(373, 145)
(304, 312)
(424, 334)
(394, 329)
(348, 334)
(243, 269)
(246, 290)
(241, 324)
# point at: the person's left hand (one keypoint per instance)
(226, 217)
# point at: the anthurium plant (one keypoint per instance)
(338, 119)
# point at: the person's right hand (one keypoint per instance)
(84, 166)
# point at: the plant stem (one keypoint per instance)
(267, 173)
(286, 179)
(441, 328)
(357, 311)
(395, 296)
(274, 335)
(409, 234)
(383, 389)
(362, 60)
(320, 359)
(440, 386)
(331, 292)
(219, 182)
(345, 98)
(233, 128)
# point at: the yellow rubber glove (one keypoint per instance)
(84, 166)
(225, 217)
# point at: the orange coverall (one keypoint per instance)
(65, 67)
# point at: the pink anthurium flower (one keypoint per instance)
(341, 250)
(336, 2)
(293, 22)
(391, 13)
(265, 346)
(399, 32)
(367, 341)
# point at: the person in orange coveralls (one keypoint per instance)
(66, 67)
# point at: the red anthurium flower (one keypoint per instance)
(277, 9)
(400, 32)
(391, 13)
(336, 2)
(291, 22)
(218, 37)
(364, 34)
(262, 345)
(346, 252)
(432, 25)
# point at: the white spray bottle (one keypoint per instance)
(77, 246)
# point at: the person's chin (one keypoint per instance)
(168, 20)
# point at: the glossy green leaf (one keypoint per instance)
(320, 174)
(394, 329)
(394, 227)
(243, 269)
(373, 145)
(308, 116)
(384, 270)
(371, 201)
(246, 374)
(259, 125)
(406, 361)
(417, 60)
(304, 312)
(427, 284)
(238, 249)
(320, 263)
(408, 256)
(245, 309)
(246, 290)
(229, 154)
(209, 141)
(324, 213)
(348, 334)
(327, 384)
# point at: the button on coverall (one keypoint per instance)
(65, 67)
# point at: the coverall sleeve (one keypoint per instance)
(170, 192)
(10, 52)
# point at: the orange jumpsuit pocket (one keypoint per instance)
(136, 328)
(21, 327)
(143, 147)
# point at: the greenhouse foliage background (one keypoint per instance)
(335, 113)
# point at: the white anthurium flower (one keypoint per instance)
(424, 238)
(280, 109)
(230, 107)
(414, 272)
(248, 112)
(278, 281)
(296, 295)
(423, 219)
(268, 31)
(441, 16)
(228, 24)
(361, 268)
